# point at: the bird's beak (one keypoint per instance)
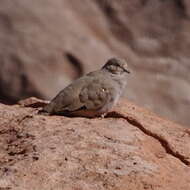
(127, 71)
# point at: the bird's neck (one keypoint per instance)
(121, 80)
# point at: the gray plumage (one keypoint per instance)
(93, 94)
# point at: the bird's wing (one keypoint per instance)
(86, 94)
(67, 99)
(96, 94)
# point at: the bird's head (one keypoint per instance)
(116, 66)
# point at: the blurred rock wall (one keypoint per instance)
(46, 44)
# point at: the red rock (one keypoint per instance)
(130, 149)
(33, 102)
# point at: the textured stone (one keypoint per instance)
(130, 149)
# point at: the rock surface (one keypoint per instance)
(130, 149)
(47, 44)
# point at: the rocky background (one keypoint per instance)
(46, 44)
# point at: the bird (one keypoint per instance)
(92, 95)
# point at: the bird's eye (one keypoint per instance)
(112, 67)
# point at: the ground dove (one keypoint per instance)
(93, 94)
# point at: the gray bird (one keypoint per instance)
(93, 94)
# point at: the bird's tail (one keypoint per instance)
(46, 110)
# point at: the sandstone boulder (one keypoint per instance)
(131, 148)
